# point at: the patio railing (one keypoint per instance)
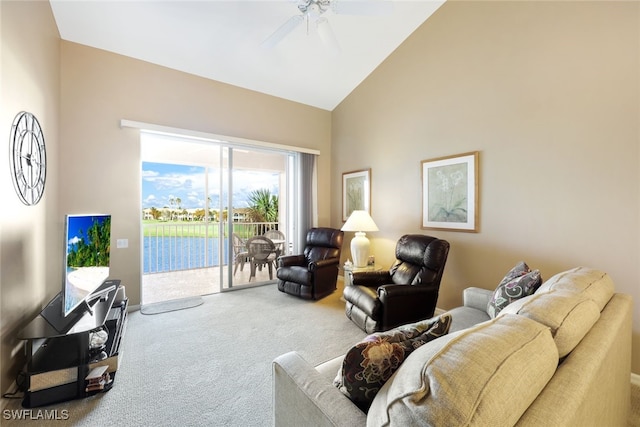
(189, 245)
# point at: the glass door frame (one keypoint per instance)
(290, 222)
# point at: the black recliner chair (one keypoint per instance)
(408, 292)
(313, 274)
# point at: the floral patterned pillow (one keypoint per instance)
(370, 363)
(519, 282)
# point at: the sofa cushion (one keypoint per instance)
(465, 317)
(370, 363)
(595, 284)
(485, 375)
(519, 282)
(569, 315)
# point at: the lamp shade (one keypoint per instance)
(360, 221)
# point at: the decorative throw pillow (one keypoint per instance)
(370, 363)
(519, 282)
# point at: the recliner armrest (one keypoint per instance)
(321, 263)
(477, 298)
(289, 260)
(391, 291)
(371, 279)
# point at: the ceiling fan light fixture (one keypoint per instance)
(313, 10)
(314, 7)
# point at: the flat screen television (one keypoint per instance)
(87, 254)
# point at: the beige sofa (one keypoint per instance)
(560, 357)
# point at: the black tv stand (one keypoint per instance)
(60, 357)
(53, 312)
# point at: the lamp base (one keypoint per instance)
(360, 249)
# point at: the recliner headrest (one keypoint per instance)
(419, 249)
(326, 237)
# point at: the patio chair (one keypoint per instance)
(240, 253)
(262, 252)
(277, 237)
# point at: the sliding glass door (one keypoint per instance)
(202, 203)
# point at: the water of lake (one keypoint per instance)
(162, 254)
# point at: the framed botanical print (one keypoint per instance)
(356, 192)
(450, 193)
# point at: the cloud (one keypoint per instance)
(148, 175)
(161, 182)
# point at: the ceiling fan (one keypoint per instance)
(313, 11)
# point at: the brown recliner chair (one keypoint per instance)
(313, 274)
(408, 292)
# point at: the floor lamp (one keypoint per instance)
(360, 221)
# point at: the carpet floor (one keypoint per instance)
(211, 365)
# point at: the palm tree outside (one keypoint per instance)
(263, 206)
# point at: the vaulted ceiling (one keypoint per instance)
(225, 40)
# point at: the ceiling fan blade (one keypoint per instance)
(362, 7)
(327, 36)
(283, 31)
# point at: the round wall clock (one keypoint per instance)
(28, 158)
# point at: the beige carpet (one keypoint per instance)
(211, 365)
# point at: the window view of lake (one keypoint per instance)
(178, 234)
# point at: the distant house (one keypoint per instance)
(240, 214)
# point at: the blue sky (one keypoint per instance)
(80, 222)
(161, 182)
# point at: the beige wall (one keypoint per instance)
(30, 255)
(85, 93)
(101, 160)
(548, 93)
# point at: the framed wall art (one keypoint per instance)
(450, 193)
(356, 192)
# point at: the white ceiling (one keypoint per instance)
(221, 40)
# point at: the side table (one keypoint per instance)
(348, 272)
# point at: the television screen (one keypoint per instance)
(88, 241)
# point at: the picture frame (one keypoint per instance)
(450, 192)
(356, 192)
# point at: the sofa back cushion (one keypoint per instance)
(569, 315)
(595, 284)
(485, 375)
